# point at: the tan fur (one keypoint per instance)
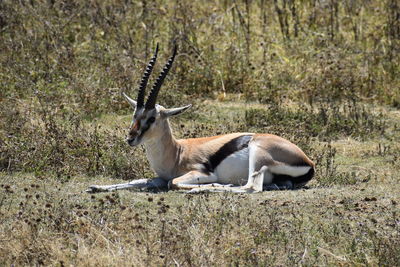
(186, 155)
(196, 151)
(282, 150)
(277, 150)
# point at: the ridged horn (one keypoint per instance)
(151, 101)
(145, 79)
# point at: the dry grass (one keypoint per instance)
(347, 217)
(47, 222)
(323, 74)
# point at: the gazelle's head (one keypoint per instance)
(149, 119)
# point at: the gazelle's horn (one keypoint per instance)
(151, 101)
(145, 79)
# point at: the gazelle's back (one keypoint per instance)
(228, 156)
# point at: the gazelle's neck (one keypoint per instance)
(163, 152)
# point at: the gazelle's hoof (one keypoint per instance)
(95, 189)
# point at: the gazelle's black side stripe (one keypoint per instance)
(232, 146)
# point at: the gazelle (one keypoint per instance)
(236, 162)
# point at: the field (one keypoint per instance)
(323, 74)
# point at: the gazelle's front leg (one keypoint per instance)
(192, 179)
(155, 183)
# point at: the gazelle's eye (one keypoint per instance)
(151, 120)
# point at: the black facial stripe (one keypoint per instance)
(144, 129)
(151, 120)
(232, 146)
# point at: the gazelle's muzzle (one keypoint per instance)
(132, 141)
(134, 133)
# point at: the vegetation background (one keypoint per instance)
(323, 73)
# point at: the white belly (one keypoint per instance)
(234, 169)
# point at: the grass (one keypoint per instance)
(348, 216)
(323, 74)
(56, 223)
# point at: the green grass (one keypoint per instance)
(323, 74)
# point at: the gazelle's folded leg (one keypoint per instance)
(254, 185)
(155, 183)
(192, 179)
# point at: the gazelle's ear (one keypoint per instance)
(130, 100)
(168, 112)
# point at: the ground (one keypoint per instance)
(352, 221)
